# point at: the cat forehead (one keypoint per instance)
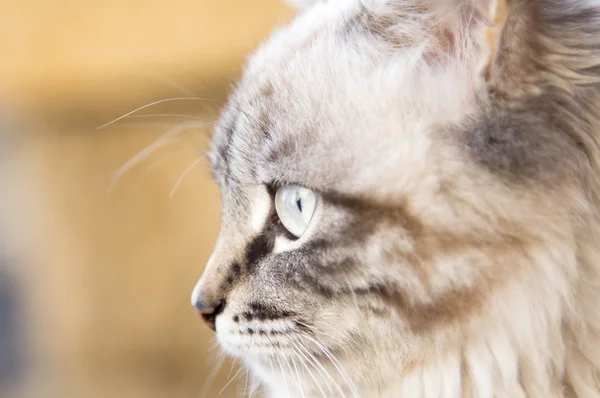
(333, 97)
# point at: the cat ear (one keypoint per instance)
(495, 13)
(301, 4)
(474, 31)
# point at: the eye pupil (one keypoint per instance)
(299, 204)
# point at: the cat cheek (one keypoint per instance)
(261, 207)
(283, 244)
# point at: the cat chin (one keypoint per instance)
(282, 378)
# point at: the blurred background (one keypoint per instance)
(105, 230)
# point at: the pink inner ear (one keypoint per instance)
(470, 32)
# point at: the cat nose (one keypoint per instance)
(208, 302)
(208, 311)
(209, 296)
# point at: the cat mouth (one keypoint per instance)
(293, 356)
(266, 340)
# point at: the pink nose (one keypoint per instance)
(208, 312)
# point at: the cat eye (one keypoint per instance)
(295, 206)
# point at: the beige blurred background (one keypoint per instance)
(106, 252)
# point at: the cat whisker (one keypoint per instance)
(157, 115)
(214, 347)
(199, 123)
(244, 391)
(243, 388)
(335, 362)
(185, 172)
(153, 104)
(295, 375)
(302, 351)
(160, 161)
(233, 362)
(303, 363)
(210, 378)
(287, 387)
(272, 368)
(279, 362)
(254, 386)
(298, 379)
(323, 371)
(160, 142)
(163, 124)
(239, 370)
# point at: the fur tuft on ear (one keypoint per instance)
(474, 29)
(301, 4)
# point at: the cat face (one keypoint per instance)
(377, 207)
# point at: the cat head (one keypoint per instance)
(389, 174)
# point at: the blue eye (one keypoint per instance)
(295, 206)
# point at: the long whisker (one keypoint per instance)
(324, 371)
(240, 368)
(311, 362)
(287, 388)
(245, 390)
(233, 362)
(214, 347)
(149, 150)
(310, 359)
(303, 363)
(324, 349)
(231, 380)
(280, 365)
(255, 385)
(211, 376)
(185, 172)
(272, 369)
(295, 374)
(167, 157)
(335, 362)
(154, 115)
(163, 124)
(160, 161)
(152, 104)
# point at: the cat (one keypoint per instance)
(410, 196)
